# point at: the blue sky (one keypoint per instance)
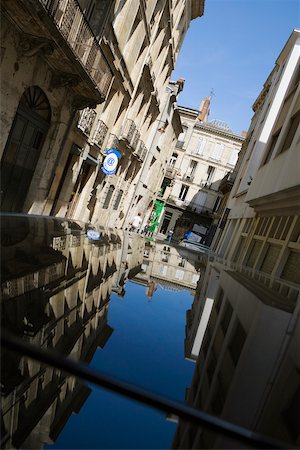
(232, 49)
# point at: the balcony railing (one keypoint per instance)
(100, 133)
(179, 144)
(128, 131)
(135, 140)
(275, 284)
(188, 177)
(113, 141)
(171, 171)
(86, 120)
(69, 19)
(190, 205)
(141, 150)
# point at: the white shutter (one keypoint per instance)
(218, 150)
(195, 279)
(200, 146)
(163, 270)
(233, 158)
(179, 274)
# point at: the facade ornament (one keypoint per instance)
(31, 45)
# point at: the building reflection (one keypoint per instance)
(245, 344)
(170, 267)
(56, 287)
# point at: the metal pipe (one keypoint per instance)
(166, 405)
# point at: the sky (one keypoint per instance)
(232, 49)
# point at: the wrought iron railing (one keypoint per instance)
(128, 130)
(69, 19)
(100, 133)
(86, 120)
(113, 141)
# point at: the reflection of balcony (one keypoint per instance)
(179, 144)
(100, 133)
(86, 120)
(188, 177)
(190, 206)
(171, 171)
(74, 28)
(113, 141)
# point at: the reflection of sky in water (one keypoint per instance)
(147, 349)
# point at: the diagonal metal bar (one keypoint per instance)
(157, 401)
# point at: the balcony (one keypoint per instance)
(171, 171)
(86, 120)
(141, 150)
(128, 131)
(100, 133)
(188, 177)
(190, 206)
(179, 144)
(75, 30)
(113, 141)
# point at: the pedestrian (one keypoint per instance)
(136, 223)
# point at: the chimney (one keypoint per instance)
(244, 133)
(204, 109)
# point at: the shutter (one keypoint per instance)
(179, 274)
(218, 150)
(291, 271)
(200, 146)
(233, 158)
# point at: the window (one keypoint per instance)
(233, 158)
(270, 258)
(179, 274)
(226, 317)
(181, 262)
(293, 126)
(191, 169)
(173, 159)
(195, 279)
(217, 152)
(108, 196)
(210, 174)
(291, 270)
(183, 192)
(199, 149)
(237, 343)
(165, 257)
(118, 199)
(272, 145)
(163, 270)
(253, 252)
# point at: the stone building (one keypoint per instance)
(169, 267)
(109, 60)
(56, 286)
(205, 153)
(243, 329)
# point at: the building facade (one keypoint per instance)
(89, 76)
(56, 287)
(243, 329)
(205, 152)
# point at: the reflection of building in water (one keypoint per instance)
(244, 327)
(131, 260)
(56, 287)
(168, 266)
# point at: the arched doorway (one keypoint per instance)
(23, 148)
